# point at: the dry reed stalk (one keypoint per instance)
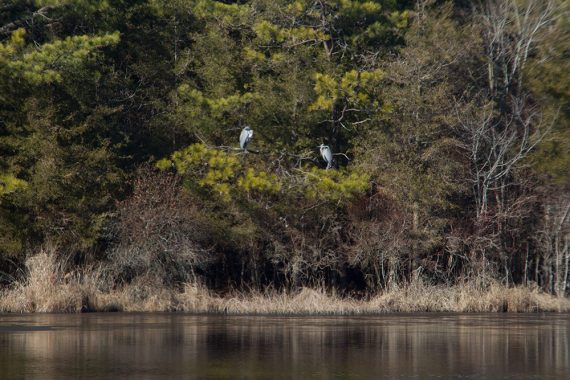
(48, 289)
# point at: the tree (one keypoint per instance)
(41, 138)
(503, 125)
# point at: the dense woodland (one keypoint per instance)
(450, 124)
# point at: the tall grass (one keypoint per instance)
(48, 288)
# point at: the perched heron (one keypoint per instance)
(327, 155)
(245, 137)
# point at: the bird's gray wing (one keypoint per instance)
(243, 139)
(327, 155)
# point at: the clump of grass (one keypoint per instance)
(306, 301)
(198, 299)
(466, 297)
(499, 298)
(145, 294)
(46, 288)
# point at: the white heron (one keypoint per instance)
(327, 155)
(245, 137)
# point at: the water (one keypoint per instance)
(170, 346)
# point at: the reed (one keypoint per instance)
(45, 289)
(48, 288)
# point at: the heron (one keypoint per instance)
(245, 137)
(327, 155)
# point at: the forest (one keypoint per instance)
(121, 169)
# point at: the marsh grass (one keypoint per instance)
(48, 288)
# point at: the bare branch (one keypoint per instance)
(10, 27)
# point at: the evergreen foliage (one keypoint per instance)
(451, 138)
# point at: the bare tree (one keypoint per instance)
(503, 124)
(495, 145)
(554, 242)
(158, 231)
(510, 30)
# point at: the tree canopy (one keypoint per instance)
(449, 124)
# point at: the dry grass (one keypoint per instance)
(45, 289)
(49, 289)
(468, 297)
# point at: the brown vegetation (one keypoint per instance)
(49, 289)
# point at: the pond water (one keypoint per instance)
(170, 346)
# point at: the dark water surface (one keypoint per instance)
(414, 346)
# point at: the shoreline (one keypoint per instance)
(414, 298)
(47, 288)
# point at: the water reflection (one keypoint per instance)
(146, 346)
